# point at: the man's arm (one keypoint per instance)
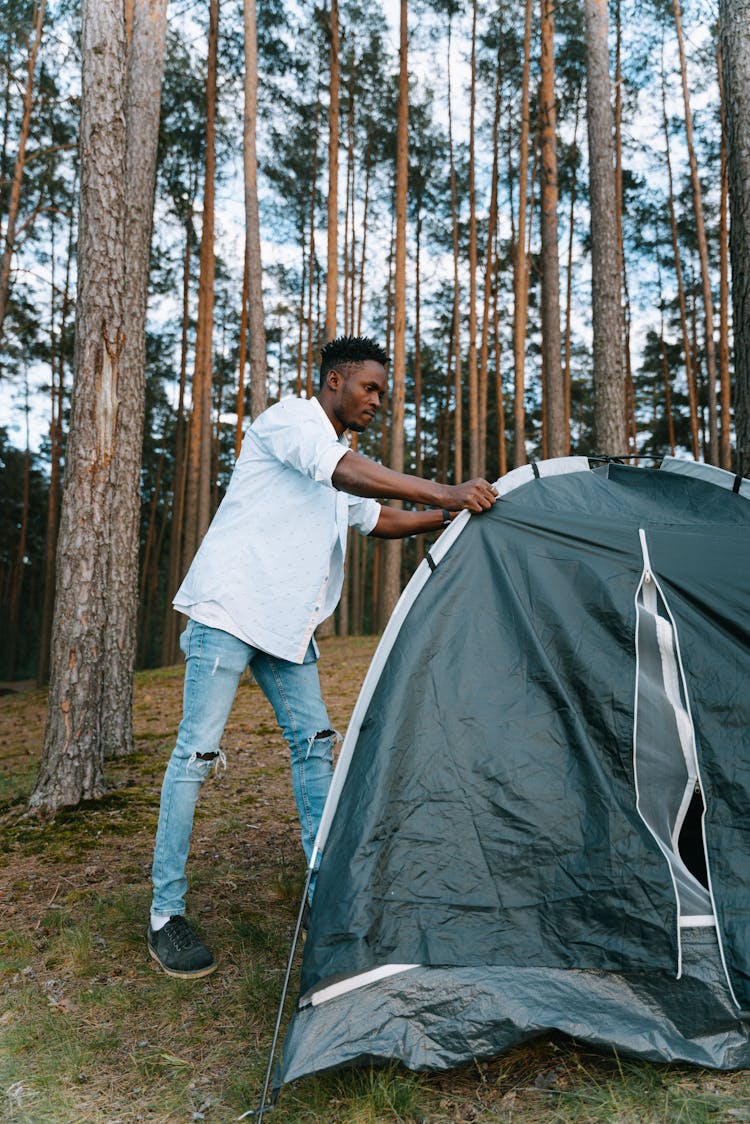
(397, 524)
(360, 476)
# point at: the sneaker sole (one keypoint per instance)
(196, 975)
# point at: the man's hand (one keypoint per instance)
(474, 495)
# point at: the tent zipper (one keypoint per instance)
(647, 578)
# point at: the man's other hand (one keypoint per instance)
(474, 495)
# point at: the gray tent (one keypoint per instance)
(515, 840)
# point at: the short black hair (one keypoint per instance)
(347, 351)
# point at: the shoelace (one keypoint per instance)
(180, 934)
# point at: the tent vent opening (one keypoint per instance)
(669, 798)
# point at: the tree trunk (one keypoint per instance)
(392, 588)
(332, 264)
(17, 571)
(555, 392)
(700, 229)
(689, 371)
(93, 646)
(629, 388)
(725, 439)
(258, 369)
(9, 237)
(609, 382)
(458, 394)
(198, 487)
(734, 18)
(365, 211)
(569, 284)
(311, 266)
(242, 358)
(520, 272)
(472, 372)
(488, 272)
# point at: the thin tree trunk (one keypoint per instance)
(551, 351)
(198, 493)
(458, 394)
(9, 237)
(629, 387)
(472, 371)
(361, 300)
(520, 270)
(569, 285)
(392, 588)
(734, 19)
(689, 372)
(665, 373)
(488, 270)
(170, 646)
(609, 381)
(311, 268)
(725, 446)
(499, 401)
(700, 230)
(242, 358)
(332, 279)
(258, 362)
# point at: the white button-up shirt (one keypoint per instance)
(271, 565)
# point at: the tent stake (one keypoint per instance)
(257, 1113)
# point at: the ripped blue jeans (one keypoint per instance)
(215, 661)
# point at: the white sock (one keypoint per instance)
(158, 921)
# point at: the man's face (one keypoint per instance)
(359, 394)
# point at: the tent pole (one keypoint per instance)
(257, 1113)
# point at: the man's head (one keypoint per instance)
(353, 381)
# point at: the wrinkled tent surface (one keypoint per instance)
(500, 848)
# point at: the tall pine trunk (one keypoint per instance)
(734, 20)
(725, 434)
(557, 440)
(472, 374)
(392, 585)
(520, 269)
(609, 382)
(332, 263)
(253, 268)
(198, 485)
(700, 230)
(93, 647)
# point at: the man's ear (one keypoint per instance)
(333, 379)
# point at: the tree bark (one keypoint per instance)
(609, 382)
(551, 347)
(93, 648)
(14, 202)
(332, 263)
(700, 229)
(734, 18)
(458, 378)
(311, 266)
(472, 366)
(520, 271)
(198, 486)
(686, 345)
(392, 586)
(725, 436)
(258, 366)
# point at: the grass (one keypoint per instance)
(92, 1032)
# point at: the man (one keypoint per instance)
(269, 570)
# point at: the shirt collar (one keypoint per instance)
(344, 438)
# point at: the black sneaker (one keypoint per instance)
(179, 952)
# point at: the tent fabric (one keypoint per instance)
(486, 824)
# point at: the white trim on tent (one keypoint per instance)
(649, 599)
(708, 472)
(352, 983)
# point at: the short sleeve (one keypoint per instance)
(363, 514)
(297, 433)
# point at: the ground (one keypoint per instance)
(92, 1031)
